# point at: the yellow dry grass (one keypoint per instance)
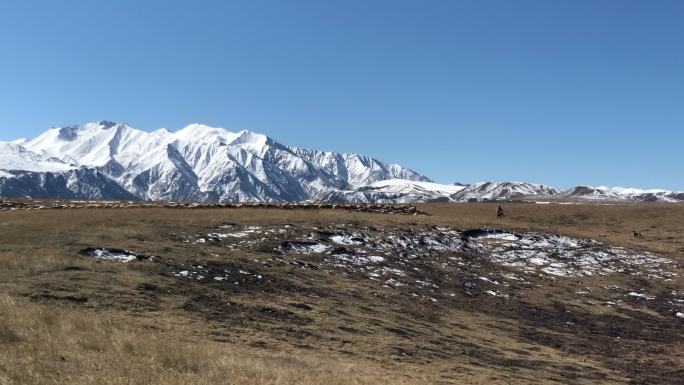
(49, 344)
(63, 343)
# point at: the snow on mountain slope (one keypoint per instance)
(200, 162)
(359, 170)
(395, 191)
(14, 156)
(96, 144)
(71, 184)
(404, 185)
(502, 191)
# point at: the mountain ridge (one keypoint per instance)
(409, 191)
(197, 162)
(109, 160)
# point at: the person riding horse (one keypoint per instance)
(499, 212)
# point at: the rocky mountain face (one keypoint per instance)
(115, 161)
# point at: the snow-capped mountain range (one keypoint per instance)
(106, 160)
(402, 191)
(113, 160)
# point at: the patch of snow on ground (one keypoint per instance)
(496, 294)
(536, 253)
(120, 256)
(315, 248)
(501, 236)
(558, 255)
(640, 295)
(237, 235)
(344, 239)
(489, 280)
(342, 260)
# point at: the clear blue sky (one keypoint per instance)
(557, 92)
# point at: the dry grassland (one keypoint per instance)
(70, 319)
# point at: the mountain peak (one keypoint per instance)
(72, 132)
(249, 137)
(106, 124)
(197, 131)
(69, 132)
